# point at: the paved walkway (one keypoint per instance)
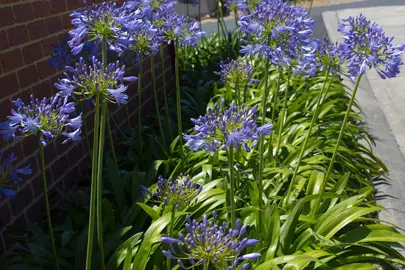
(383, 105)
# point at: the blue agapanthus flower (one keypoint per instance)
(10, 175)
(46, 118)
(365, 46)
(141, 35)
(236, 72)
(328, 54)
(179, 28)
(277, 31)
(97, 23)
(207, 243)
(177, 193)
(221, 128)
(86, 81)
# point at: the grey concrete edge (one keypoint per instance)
(390, 194)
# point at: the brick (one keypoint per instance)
(45, 69)
(23, 198)
(23, 12)
(5, 214)
(31, 163)
(17, 35)
(11, 60)
(28, 76)
(54, 24)
(9, 1)
(37, 210)
(9, 85)
(58, 6)
(42, 9)
(32, 53)
(36, 182)
(47, 47)
(29, 146)
(76, 153)
(6, 17)
(3, 40)
(74, 4)
(43, 89)
(19, 224)
(66, 21)
(50, 153)
(71, 178)
(37, 30)
(59, 167)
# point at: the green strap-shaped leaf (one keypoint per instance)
(149, 210)
(274, 233)
(288, 228)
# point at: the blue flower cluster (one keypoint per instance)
(9, 175)
(209, 243)
(176, 193)
(277, 31)
(365, 45)
(46, 118)
(236, 72)
(220, 129)
(88, 80)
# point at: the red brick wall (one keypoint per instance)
(28, 28)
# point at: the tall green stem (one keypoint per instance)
(188, 11)
(85, 129)
(178, 102)
(111, 141)
(93, 191)
(233, 188)
(162, 60)
(304, 145)
(153, 72)
(310, 8)
(237, 91)
(261, 145)
(282, 117)
(206, 266)
(235, 13)
(47, 206)
(336, 150)
(273, 110)
(140, 104)
(199, 11)
(172, 223)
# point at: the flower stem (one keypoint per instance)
(178, 100)
(172, 223)
(85, 129)
(310, 8)
(153, 72)
(140, 105)
(235, 13)
(261, 146)
(162, 60)
(48, 209)
(273, 110)
(336, 150)
(233, 188)
(206, 266)
(93, 191)
(237, 90)
(281, 118)
(287, 198)
(199, 11)
(110, 136)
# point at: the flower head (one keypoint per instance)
(62, 55)
(221, 128)
(328, 54)
(9, 175)
(177, 193)
(96, 23)
(179, 28)
(88, 80)
(365, 46)
(236, 72)
(277, 31)
(46, 118)
(209, 243)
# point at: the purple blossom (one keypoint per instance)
(277, 31)
(177, 193)
(46, 118)
(97, 23)
(236, 72)
(209, 243)
(10, 175)
(220, 129)
(179, 28)
(365, 46)
(88, 80)
(328, 54)
(62, 55)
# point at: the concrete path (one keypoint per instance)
(383, 105)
